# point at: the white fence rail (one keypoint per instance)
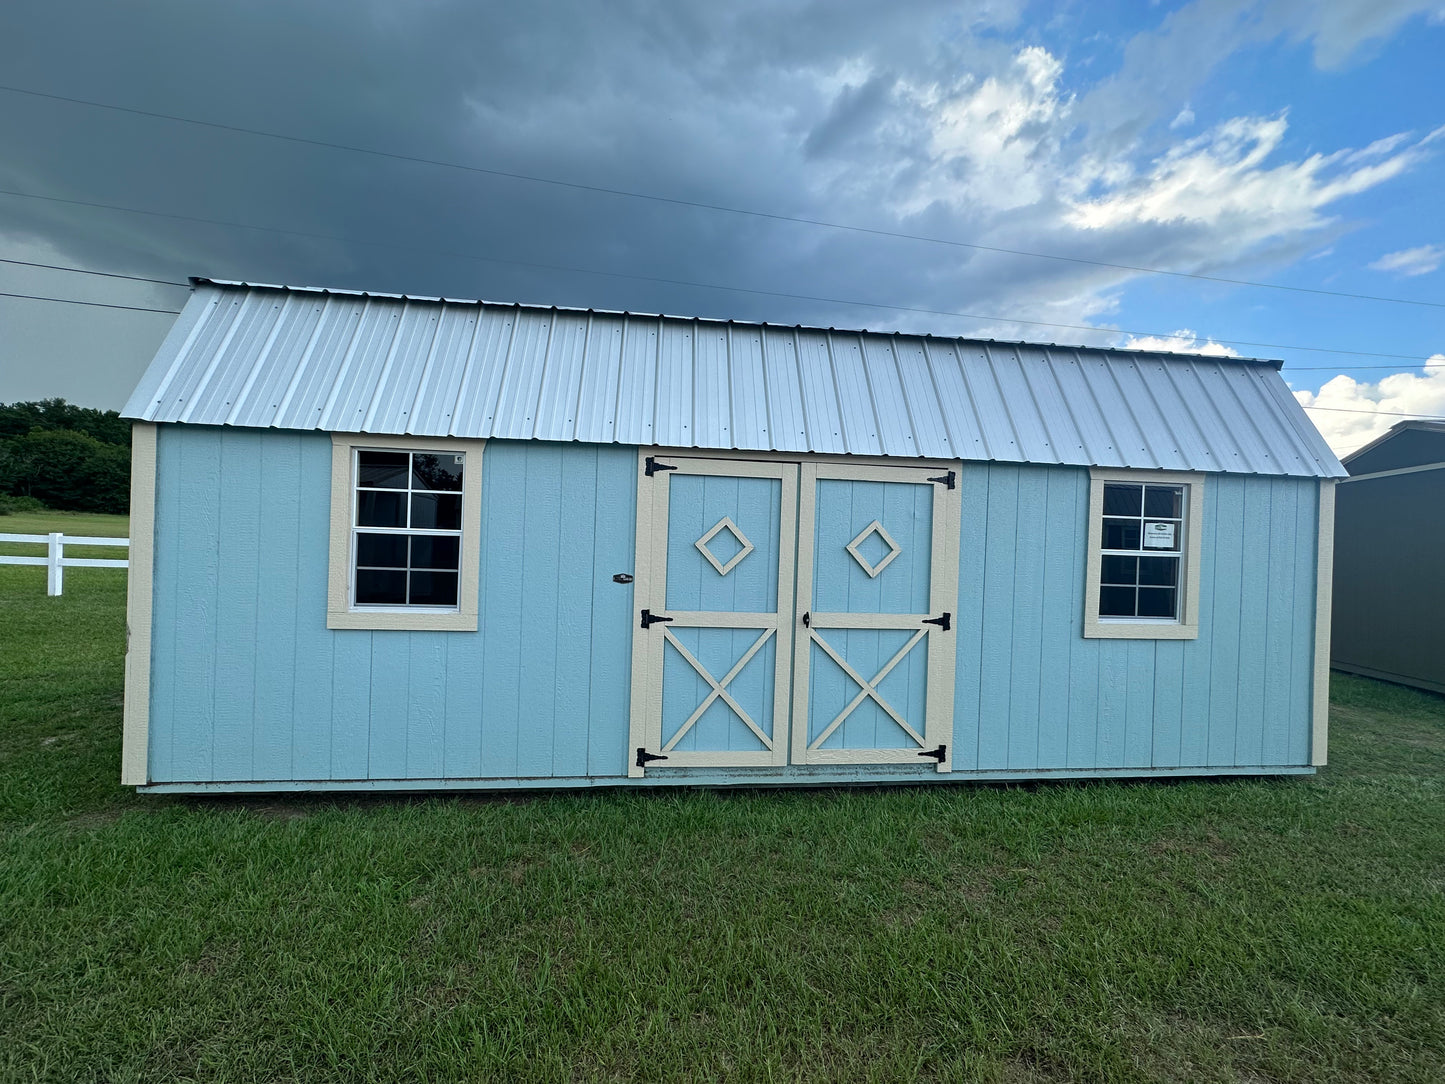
(55, 560)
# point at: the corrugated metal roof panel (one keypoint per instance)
(265, 356)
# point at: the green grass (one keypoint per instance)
(1289, 930)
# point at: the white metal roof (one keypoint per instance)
(301, 358)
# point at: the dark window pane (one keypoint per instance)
(435, 551)
(1164, 501)
(1122, 500)
(1120, 570)
(1116, 602)
(1156, 602)
(442, 511)
(433, 588)
(385, 550)
(384, 470)
(1158, 571)
(1121, 534)
(378, 588)
(380, 509)
(436, 472)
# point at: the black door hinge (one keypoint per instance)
(947, 479)
(649, 619)
(644, 758)
(945, 622)
(940, 754)
(653, 466)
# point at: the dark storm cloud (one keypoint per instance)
(705, 103)
(921, 117)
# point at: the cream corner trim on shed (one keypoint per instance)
(135, 741)
(339, 614)
(1324, 596)
(1187, 627)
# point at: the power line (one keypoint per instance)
(1386, 413)
(1000, 319)
(1331, 368)
(704, 206)
(93, 304)
(853, 303)
(102, 274)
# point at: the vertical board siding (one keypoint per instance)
(249, 684)
(999, 584)
(1061, 619)
(1026, 649)
(312, 731)
(1302, 669)
(973, 500)
(196, 523)
(274, 674)
(1032, 693)
(1194, 740)
(1224, 670)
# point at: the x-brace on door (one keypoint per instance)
(876, 651)
(712, 643)
(793, 612)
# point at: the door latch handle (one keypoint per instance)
(807, 620)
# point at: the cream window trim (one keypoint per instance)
(1186, 627)
(339, 612)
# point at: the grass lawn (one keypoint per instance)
(1288, 930)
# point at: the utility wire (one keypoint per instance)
(701, 205)
(1330, 368)
(103, 274)
(1386, 413)
(94, 304)
(854, 303)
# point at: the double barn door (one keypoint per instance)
(793, 613)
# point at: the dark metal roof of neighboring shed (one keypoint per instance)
(1412, 443)
(304, 358)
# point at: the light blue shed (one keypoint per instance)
(388, 543)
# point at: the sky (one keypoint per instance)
(848, 164)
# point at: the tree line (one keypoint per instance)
(64, 456)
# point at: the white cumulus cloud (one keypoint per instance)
(1411, 261)
(1183, 341)
(1226, 177)
(1350, 414)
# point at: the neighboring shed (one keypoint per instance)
(387, 542)
(1389, 613)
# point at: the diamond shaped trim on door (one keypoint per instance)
(742, 539)
(894, 549)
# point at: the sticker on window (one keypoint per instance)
(1159, 536)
